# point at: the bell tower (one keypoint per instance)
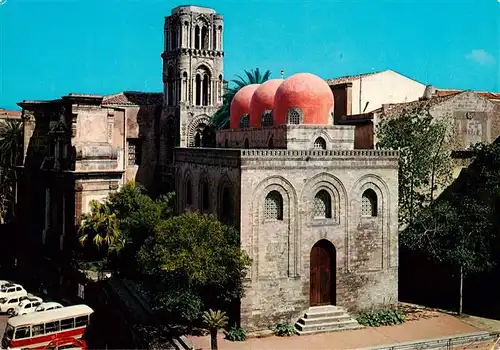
(192, 75)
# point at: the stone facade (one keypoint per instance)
(78, 149)
(278, 285)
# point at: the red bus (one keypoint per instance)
(38, 329)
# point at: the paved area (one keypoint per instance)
(432, 326)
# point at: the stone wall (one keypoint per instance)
(287, 136)
(278, 281)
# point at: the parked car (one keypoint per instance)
(12, 289)
(51, 305)
(27, 306)
(67, 344)
(4, 282)
(9, 303)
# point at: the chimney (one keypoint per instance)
(348, 102)
(342, 96)
(429, 92)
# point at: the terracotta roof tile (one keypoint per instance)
(488, 95)
(5, 113)
(134, 98)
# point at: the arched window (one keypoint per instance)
(369, 205)
(205, 195)
(270, 143)
(197, 37)
(294, 116)
(244, 121)
(273, 206)
(226, 205)
(189, 193)
(322, 205)
(198, 90)
(173, 42)
(220, 87)
(247, 144)
(204, 38)
(206, 90)
(185, 86)
(170, 86)
(320, 143)
(267, 118)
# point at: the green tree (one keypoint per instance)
(214, 320)
(195, 263)
(425, 162)
(11, 147)
(461, 228)
(220, 119)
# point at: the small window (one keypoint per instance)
(369, 203)
(245, 121)
(51, 327)
(320, 143)
(22, 332)
(11, 290)
(134, 152)
(27, 306)
(294, 116)
(323, 205)
(67, 323)
(37, 329)
(267, 118)
(81, 321)
(273, 207)
(13, 301)
(189, 193)
(18, 289)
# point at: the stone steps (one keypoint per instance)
(322, 319)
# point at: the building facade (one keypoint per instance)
(317, 217)
(78, 149)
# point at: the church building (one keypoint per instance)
(318, 218)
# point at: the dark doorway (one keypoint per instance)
(323, 274)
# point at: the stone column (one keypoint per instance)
(199, 38)
(202, 79)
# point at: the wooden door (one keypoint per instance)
(322, 275)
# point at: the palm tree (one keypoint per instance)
(220, 119)
(214, 320)
(100, 226)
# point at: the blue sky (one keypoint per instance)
(52, 48)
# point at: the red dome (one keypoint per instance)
(241, 104)
(262, 100)
(306, 92)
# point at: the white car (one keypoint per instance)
(51, 305)
(27, 306)
(9, 303)
(4, 282)
(11, 290)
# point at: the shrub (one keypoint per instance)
(236, 334)
(382, 317)
(285, 330)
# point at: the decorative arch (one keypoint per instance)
(383, 221)
(290, 220)
(204, 193)
(225, 200)
(321, 134)
(195, 130)
(187, 189)
(334, 187)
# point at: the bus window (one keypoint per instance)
(81, 321)
(51, 327)
(37, 330)
(22, 332)
(67, 323)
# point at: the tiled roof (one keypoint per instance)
(488, 95)
(134, 98)
(5, 113)
(397, 109)
(348, 78)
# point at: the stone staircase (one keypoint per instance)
(322, 319)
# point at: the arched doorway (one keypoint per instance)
(323, 274)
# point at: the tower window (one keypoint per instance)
(320, 143)
(204, 38)
(197, 37)
(245, 121)
(267, 118)
(294, 116)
